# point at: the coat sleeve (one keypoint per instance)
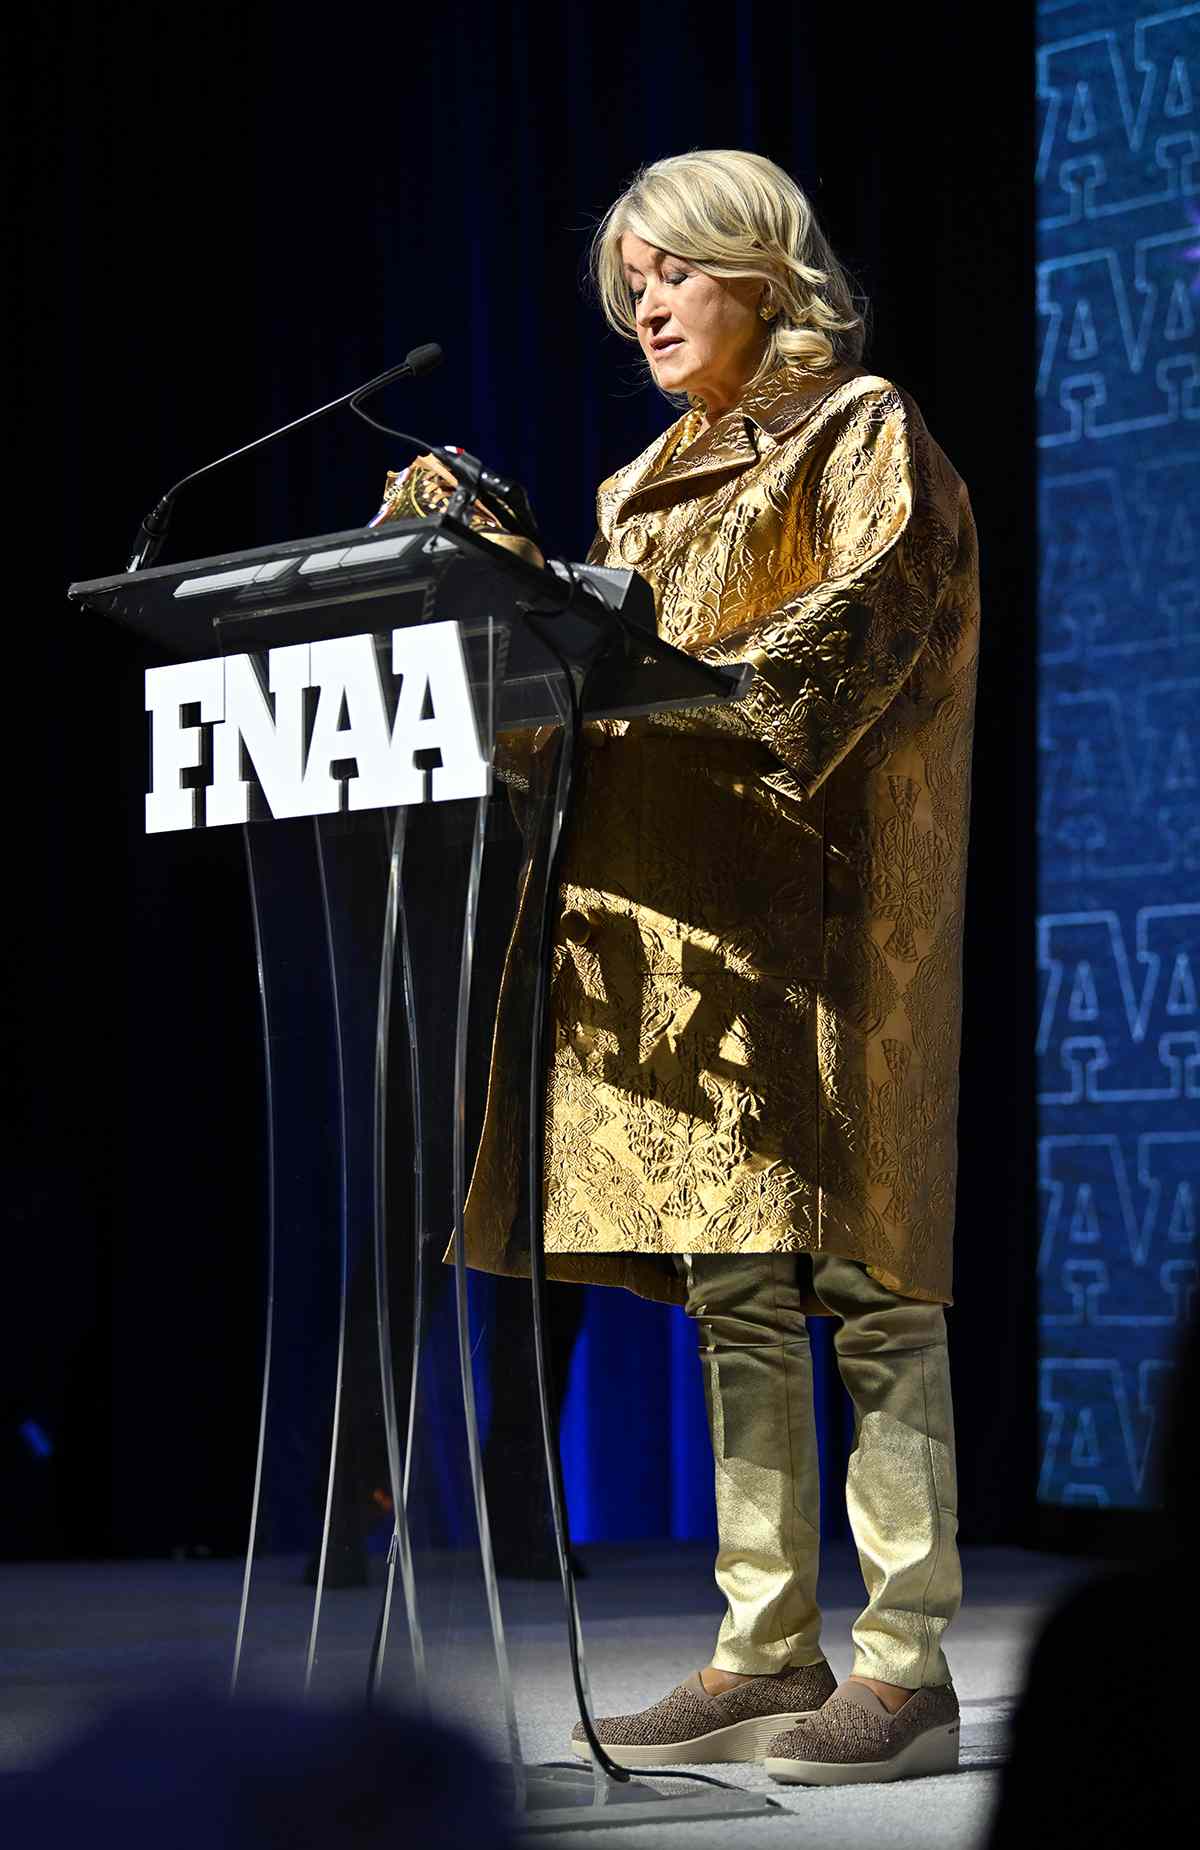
(877, 527)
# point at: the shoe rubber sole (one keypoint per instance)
(935, 1750)
(739, 1741)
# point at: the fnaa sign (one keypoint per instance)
(323, 705)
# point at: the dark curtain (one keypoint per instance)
(216, 218)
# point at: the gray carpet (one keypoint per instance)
(76, 1638)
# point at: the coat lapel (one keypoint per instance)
(723, 449)
(759, 422)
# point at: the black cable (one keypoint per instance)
(568, 767)
(700, 1779)
(572, 746)
(375, 1661)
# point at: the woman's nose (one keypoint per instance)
(650, 309)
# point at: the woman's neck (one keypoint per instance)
(716, 405)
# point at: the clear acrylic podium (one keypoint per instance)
(383, 910)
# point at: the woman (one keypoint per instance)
(756, 992)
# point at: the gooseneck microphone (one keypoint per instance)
(153, 530)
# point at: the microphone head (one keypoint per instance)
(423, 359)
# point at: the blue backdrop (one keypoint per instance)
(1118, 932)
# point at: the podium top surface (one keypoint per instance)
(411, 570)
(185, 606)
(160, 580)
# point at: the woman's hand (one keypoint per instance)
(423, 489)
(418, 491)
(435, 467)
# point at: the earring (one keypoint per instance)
(766, 309)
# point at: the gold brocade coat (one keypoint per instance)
(756, 987)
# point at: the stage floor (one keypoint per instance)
(79, 1637)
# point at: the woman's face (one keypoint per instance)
(701, 334)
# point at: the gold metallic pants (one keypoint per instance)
(901, 1493)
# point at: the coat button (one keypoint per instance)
(633, 545)
(576, 926)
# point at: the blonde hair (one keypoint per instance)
(731, 213)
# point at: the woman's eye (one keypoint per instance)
(680, 276)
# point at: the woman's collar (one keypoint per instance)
(783, 398)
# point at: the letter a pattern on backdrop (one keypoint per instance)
(1118, 933)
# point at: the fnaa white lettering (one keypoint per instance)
(265, 726)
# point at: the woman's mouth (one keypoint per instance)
(668, 345)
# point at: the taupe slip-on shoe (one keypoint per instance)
(690, 1726)
(853, 1739)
